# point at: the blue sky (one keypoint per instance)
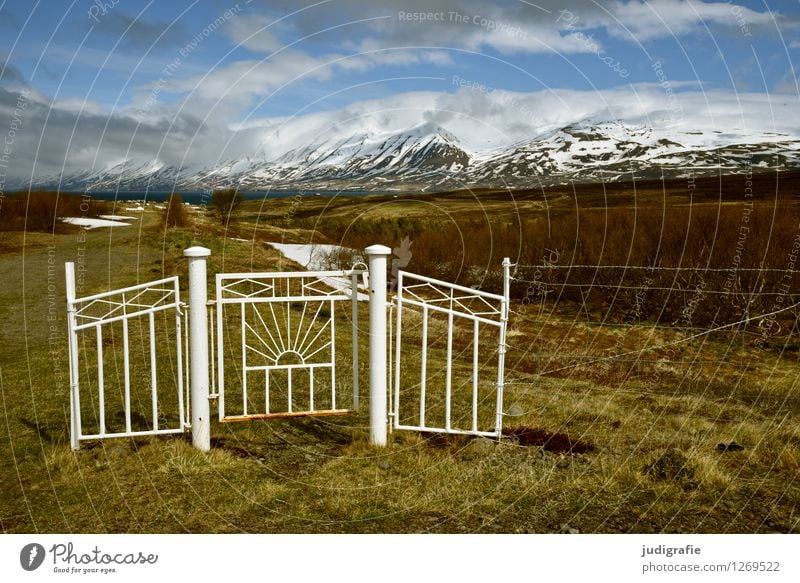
(220, 63)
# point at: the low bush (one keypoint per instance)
(39, 210)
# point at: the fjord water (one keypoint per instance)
(199, 197)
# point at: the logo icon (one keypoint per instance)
(31, 556)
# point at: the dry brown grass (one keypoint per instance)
(321, 475)
(40, 210)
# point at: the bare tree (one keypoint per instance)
(225, 201)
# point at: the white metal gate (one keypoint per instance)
(466, 395)
(277, 346)
(277, 343)
(128, 331)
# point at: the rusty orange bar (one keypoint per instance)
(286, 414)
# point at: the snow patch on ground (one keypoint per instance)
(93, 223)
(312, 257)
(117, 217)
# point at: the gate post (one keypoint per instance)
(378, 257)
(198, 346)
(74, 394)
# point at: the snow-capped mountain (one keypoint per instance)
(611, 151)
(428, 157)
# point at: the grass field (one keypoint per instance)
(648, 422)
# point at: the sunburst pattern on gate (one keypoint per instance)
(305, 339)
(276, 346)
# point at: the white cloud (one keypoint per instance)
(379, 34)
(229, 89)
(517, 27)
(665, 18)
(484, 119)
(252, 31)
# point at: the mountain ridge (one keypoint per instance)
(429, 157)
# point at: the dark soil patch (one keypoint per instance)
(235, 450)
(550, 441)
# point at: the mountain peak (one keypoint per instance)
(428, 156)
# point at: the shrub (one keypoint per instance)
(175, 214)
(225, 201)
(711, 263)
(39, 210)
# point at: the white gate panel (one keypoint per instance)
(134, 337)
(465, 396)
(277, 343)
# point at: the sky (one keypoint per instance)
(87, 84)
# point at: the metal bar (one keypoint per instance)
(220, 351)
(333, 358)
(100, 381)
(308, 329)
(288, 366)
(179, 333)
(141, 286)
(323, 347)
(448, 311)
(397, 342)
(299, 327)
(424, 366)
(188, 369)
(452, 286)
(448, 380)
(354, 283)
(277, 328)
(501, 356)
(289, 315)
(390, 362)
(74, 391)
(126, 316)
(286, 414)
(153, 379)
(131, 434)
(290, 274)
(289, 375)
(127, 375)
(311, 389)
(271, 349)
(252, 349)
(305, 346)
(282, 299)
(475, 378)
(212, 346)
(244, 363)
(271, 337)
(266, 390)
(450, 431)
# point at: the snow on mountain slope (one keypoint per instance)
(427, 156)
